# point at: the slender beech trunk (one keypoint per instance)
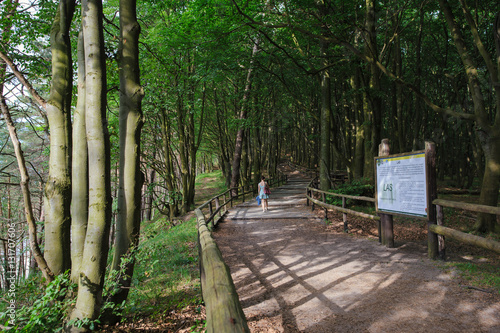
(223, 142)
(28, 207)
(419, 110)
(95, 253)
(372, 101)
(358, 161)
(398, 64)
(131, 178)
(58, 187)
(324, 169)
(238, 147)
(9, 9)
(80, 174)
(256, 161)
(183, 155)
(168, 175)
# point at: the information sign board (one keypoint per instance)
(401, 184)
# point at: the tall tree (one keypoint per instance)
(80, 172)
(488, 132)
(326, 105)
(131, 177)
(58, 187)
(238, 146)
(91, 280)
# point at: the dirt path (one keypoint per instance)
(294, 275)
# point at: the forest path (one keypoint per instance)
(292, 275)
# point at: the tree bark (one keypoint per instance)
(80, 172)
(28, 207)
(238, 147)
(489, 135)
(57, 197)
(9, 9)
(131, 177)
(372, 101)
(324, 161)
(89, 299)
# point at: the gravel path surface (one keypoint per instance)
(294, 275)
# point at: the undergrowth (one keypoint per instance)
(361, 187)
(166, 276)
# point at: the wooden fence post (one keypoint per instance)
(344, 215)
(211, 211)
(441, 244)
(386, 224)
(217, 205)
(225, 203)
(430, 161)
(326, 210)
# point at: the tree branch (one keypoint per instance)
(23, 80)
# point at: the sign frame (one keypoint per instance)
(411, 157)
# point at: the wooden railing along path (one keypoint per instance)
(223, 308)
(386, 237)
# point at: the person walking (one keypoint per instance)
(264, 192)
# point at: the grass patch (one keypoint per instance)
(166, 275)
(481, 275)
(209, 184)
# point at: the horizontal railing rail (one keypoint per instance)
(223, 309)
(314, 195)
(311, 191)
(463, 237)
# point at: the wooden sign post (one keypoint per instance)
(386, 224)
(430, 161)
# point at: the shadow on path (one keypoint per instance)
(294, 276)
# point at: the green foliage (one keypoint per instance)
(482, 275)
(361, 187)
(211, 181)
(166, 274)
(47, 312)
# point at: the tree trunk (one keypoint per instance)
(489, 135)
(80, 174)
(28, 207)
(238, 147)
(324, 161)
(58, 187)
(398, 62)
(131, 178)
(372, 101)
(9, 8)
(183, 156)
(359, 141)
(168, 175)
(95, 253)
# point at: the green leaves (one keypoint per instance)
(47, 312)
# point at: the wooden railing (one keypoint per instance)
(470, 239)
(223, 309)
(439, 228)
(312, 191)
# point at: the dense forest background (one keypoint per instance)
(231, 85)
